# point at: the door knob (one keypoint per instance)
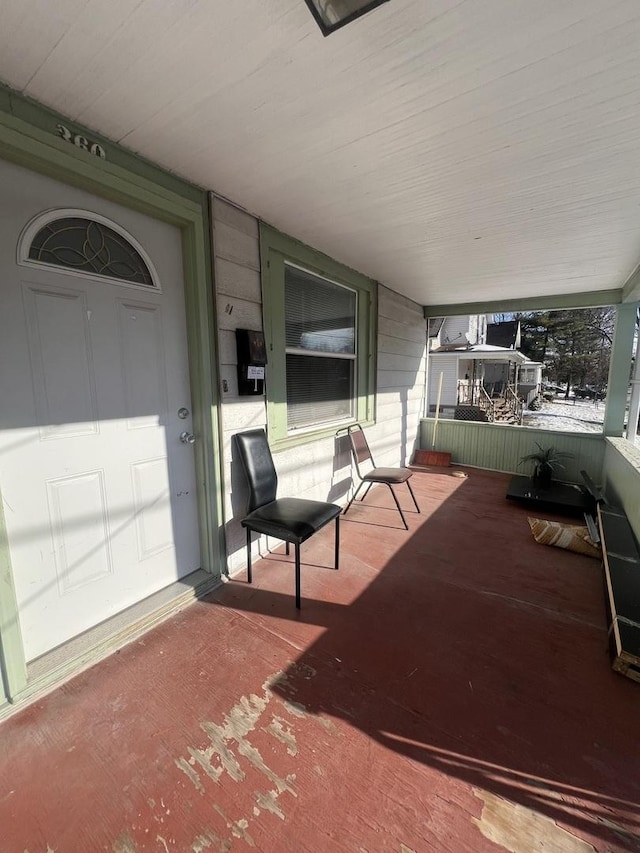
(187, 437)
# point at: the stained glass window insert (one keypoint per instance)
(85, 245)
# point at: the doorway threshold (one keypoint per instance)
(62, 663)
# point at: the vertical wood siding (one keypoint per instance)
(500, 448)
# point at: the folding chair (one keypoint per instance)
(388, 476)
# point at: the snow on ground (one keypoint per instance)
(568, 415)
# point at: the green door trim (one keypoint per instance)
(35, 145)
(14, 670)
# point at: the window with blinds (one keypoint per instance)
(321, 345)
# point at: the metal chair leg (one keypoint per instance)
(404, 521)
(366, 492)
(286, 548)
(337, 540)
(355, 494)
(298, 576)
(248, 555)
(413, 496)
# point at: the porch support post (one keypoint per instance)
(620, 368)
(634, 405)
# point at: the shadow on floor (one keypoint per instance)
(465, 646)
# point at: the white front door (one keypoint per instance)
(98, 489)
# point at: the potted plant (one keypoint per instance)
(546, 461)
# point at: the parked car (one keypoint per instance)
(588, 393)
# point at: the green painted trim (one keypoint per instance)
(130, 181)
(37, 116)
(501, 447)
(594, 299)
(308, 437)
(14, 668)
(631, 287)
(275, 248)
(46, 153)
(64, 668)
(272, 276)
(620, 368)
(202, 346)
(317, 261)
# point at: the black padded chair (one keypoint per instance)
(289, 519)
(388, 476)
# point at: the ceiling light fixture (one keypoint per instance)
(330, 15)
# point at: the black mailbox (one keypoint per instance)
(252, 357)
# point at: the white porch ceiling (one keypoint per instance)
(455, 151)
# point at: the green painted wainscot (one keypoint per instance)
(499, 447)
(610, 461)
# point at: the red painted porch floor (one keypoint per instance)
(449, 689)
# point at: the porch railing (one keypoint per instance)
(467, 391)
(487, 404)
(531, 395)
(515, 403)
(473, 393)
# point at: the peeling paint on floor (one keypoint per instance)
(517, 828)
(167, 747)
(268, 802)
(210, 839)
(229, 747)
(281, 731)
(124, 843)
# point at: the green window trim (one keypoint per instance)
(276, 249)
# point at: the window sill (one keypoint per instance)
(278, 444)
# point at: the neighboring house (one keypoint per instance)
(504, 334)
(476, 369)
(530, 380)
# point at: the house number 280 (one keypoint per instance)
(81, 141)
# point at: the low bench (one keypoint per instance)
(621, 561)
(621, 564)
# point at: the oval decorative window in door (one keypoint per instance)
(87, 244)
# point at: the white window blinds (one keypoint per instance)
(320, 331)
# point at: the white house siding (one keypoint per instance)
(318, 470)
(448, 366)
(476, 328)
(400, 378)
(454, 330)
(239, 306)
